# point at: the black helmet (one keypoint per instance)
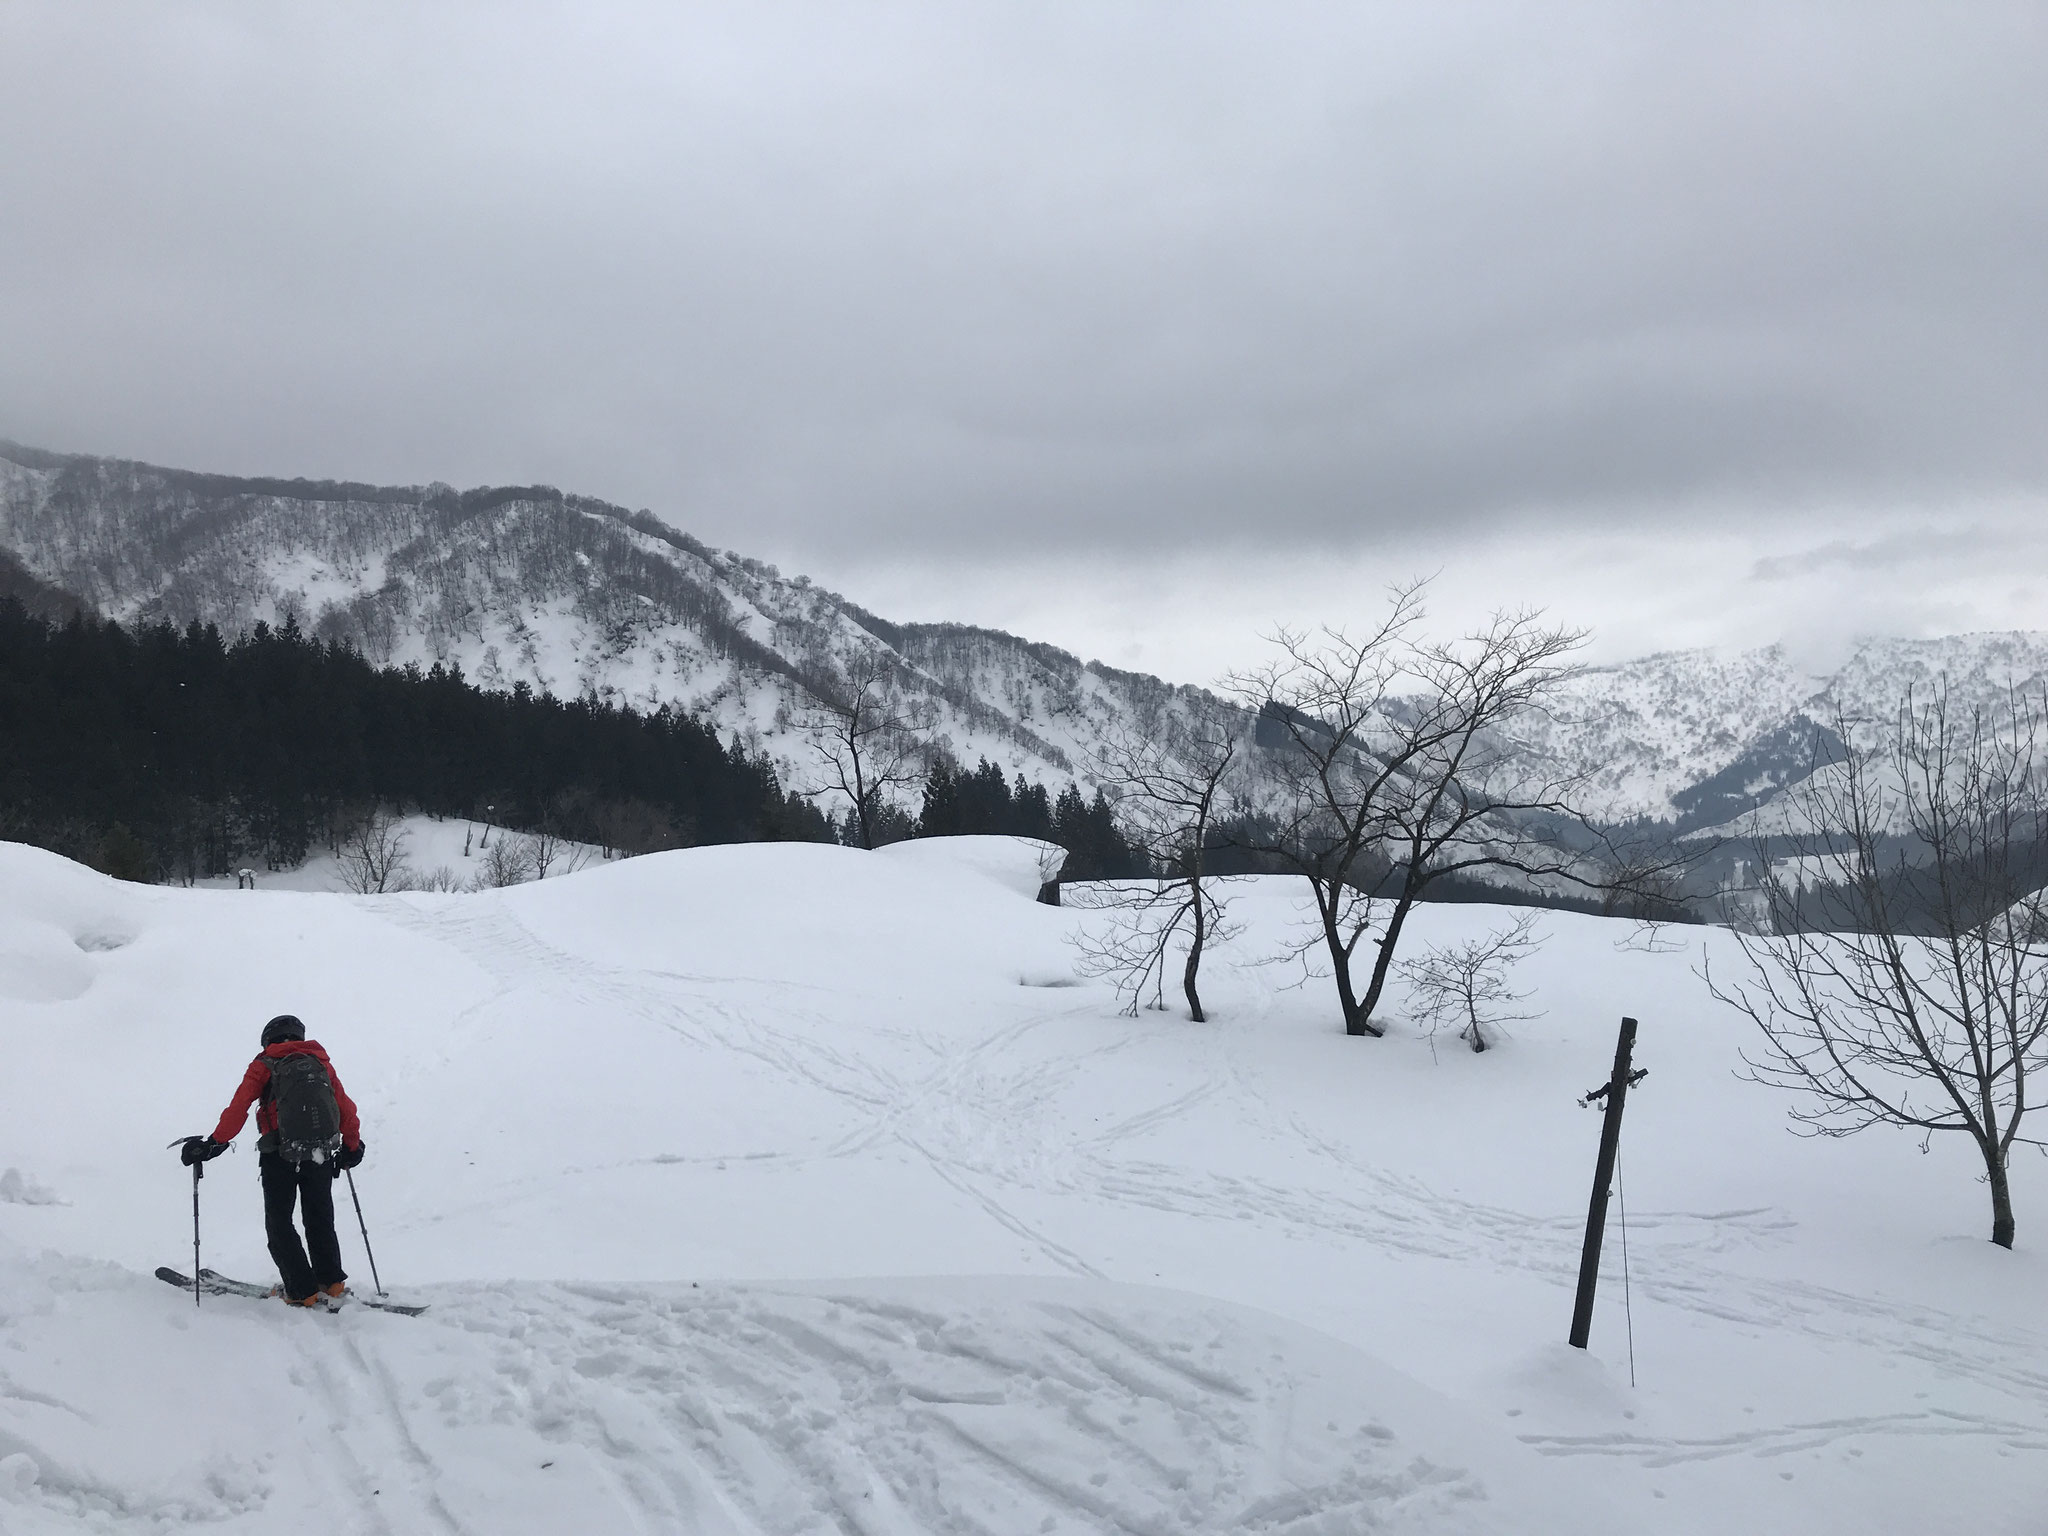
(284, 1027)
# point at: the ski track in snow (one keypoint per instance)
(1790, 1439)
(983, 1115)
(768, 1412)
(768, 1391)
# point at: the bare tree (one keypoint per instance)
(1326, 701)
(1169, 785)
(1907, 984)
(371, 855)
(1149, 919)
(549, 852)
(1469, 798)
(507, 860)
(1395, 771)
(868, 741)
(1470, 984)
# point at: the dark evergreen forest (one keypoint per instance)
(980, 799)
(162, 753)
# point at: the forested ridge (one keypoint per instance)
(163, 753)
(573, 594)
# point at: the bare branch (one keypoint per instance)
(1149, 918)
(507, 860)
(1904, 977)
(1468, 984)
(869, 743)
(1171, 785)
(371, 855)
(1396, 769)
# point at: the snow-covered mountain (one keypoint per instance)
(580, 596)
(568, 593)
(1699, 737)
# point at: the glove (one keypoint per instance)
(201, 1149)
(349, 1157)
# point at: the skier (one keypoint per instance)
(309, 1134)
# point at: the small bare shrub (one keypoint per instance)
(1469, 986)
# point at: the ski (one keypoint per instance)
(403, 1309)
(350, 1298)
(212, 1284)
(214, 1280)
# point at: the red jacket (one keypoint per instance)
(256, 1082)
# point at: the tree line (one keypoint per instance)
(166, 753)
(156, 753)
(961, 801)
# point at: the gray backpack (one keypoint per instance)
(308, 1119)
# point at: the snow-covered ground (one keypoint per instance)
(437, 852)
(785, 1189)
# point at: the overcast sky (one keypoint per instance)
(1135, 327)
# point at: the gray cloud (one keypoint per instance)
(847, 280)
(1964, 548)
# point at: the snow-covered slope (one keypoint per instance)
(1699, 737)
(433, 854)
(783, 1189)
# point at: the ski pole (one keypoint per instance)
(196, 1176)
(198, 1173)
(365, 1230)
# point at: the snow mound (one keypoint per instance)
(17, 1188)
(40, 963)
(1020, 864)
(55, 918)
(94, 912)
(803, 912)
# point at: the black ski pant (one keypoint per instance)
(311, 1185)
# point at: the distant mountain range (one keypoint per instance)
(579, 596)
(1698, 738)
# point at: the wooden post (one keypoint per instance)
(1615, 1092)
